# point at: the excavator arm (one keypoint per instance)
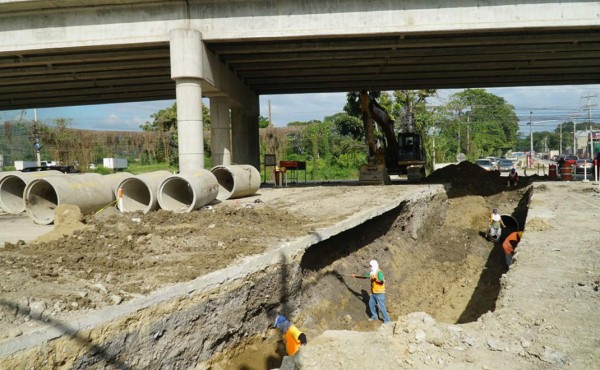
(372, 111)
(402, 154)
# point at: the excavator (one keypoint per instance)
(401, 154)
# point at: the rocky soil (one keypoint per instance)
(109, 257)
(544, 316)
(453, 303)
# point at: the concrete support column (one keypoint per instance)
(220, 131)
(244, 134)
(253, 155)
(238, 136)
(186, 69)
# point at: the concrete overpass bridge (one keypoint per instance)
(79, 52)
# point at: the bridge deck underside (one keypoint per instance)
(126, 73)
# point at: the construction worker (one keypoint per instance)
(513, 177)
(377, 298)
(494, 229)
(509, 245)
(292, 337)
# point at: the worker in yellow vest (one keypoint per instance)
(377, 298)
(293, 338)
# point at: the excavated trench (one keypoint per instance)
(430, 248)
(444, 267)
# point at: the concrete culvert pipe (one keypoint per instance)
(12, 188)
(87, 191)
(140, 192)
(236, 181)
(3, 174)
(185, 193)
(510, 222)
(115, 179)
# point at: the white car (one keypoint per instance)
(494, 161)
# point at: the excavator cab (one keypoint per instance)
(410, 147)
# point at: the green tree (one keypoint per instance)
(165, 120)
(347, 125)
(484, 123)
(263, 122)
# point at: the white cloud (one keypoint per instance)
(301, 107)
(545, 103)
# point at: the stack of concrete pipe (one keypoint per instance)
(187, 192)
(43, 191)
(236, 181)
(12, 188)
(140, 192)
(90, 192)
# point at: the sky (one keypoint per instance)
(549, 106)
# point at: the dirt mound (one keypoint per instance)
(537, 224)
(467, 178)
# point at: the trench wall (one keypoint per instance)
(186, 324)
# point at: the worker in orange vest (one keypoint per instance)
(509, 245)
(293, 338)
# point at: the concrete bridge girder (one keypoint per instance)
(75, 52)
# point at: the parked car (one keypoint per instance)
(571, 159)
(63, 169)
(486, 164)
(494, 161)
(505, 165)
(584, 165)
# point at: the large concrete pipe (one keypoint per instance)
(87, 191)
(3, 174)
(12, 189)
(236, 181)
(115, 179)
(140, 192)
(187, 192)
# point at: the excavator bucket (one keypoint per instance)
(374, 174)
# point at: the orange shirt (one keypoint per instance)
(291, 340)
(510, 243)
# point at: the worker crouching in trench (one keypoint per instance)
(293, 338)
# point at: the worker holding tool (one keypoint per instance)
(509, 245)
(377, 298)
(293, 338)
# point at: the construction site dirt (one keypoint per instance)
(442, 276)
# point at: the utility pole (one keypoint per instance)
(573, 116)
(589, 106)
(468, 133)
(270, 119)
(458, 124)
(36, 144)
(560, 143)
(530, 140)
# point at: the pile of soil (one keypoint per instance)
(467, 178)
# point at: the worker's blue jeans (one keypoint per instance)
(378, 299)
(508, 258)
